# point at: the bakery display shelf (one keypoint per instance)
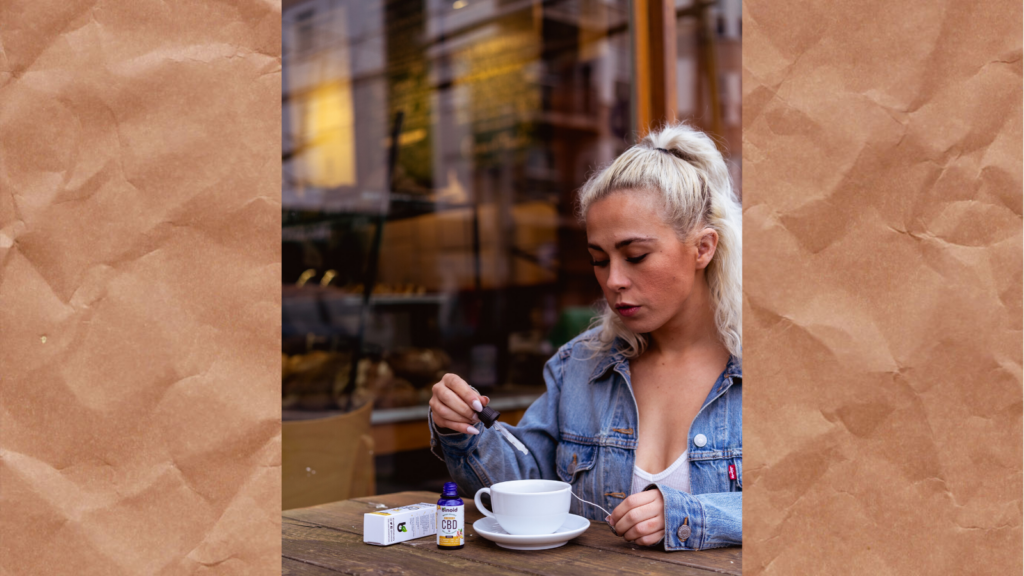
(350, 299)
(400, 207)
(413, 413)
(408, 413)
(398, 299)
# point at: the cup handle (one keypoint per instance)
(480, 505)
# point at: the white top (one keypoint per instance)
(675, 476)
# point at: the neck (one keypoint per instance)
(692, 330)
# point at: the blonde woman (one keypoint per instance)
(643, 413)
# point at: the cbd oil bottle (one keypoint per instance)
(450, 519)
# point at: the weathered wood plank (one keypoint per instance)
(723, 560)
(347, 553)
(568, 560)
(404, 498)
(291, 567)
(299, 522)
(347, 516)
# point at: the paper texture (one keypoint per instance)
(882, 282)
(139, 287)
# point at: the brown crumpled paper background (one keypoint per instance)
(882, 281)
(140, 310)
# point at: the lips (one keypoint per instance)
(627, 309)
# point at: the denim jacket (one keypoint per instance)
(583, 431)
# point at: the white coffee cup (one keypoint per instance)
(528, 507)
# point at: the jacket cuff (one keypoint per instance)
(685, 520)
(703, 521)
(451, 443)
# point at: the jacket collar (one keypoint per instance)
(734, 369)
(733, 372)
(615, 358)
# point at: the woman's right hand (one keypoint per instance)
(454, 405)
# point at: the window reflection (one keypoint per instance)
(463, 255)
(431, 150)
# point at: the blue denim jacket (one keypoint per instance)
(583, 431)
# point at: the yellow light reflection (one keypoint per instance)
(330, 123)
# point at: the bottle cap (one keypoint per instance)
(450, 489)
(488, 416)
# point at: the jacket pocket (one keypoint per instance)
(716, 471)
(572, 459)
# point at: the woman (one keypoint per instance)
(663, 229)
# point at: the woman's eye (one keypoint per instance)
(637, 259)
(599, 263)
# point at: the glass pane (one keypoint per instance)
(431, 152)
(708, 72)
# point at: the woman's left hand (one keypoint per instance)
(640, 518)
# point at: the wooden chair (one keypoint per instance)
(327, 459)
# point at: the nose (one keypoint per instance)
(617, 278)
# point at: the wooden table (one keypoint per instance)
(328, 539)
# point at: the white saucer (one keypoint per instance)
(490, 529)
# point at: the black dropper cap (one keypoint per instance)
(488, 416)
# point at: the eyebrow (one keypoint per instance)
(625, 242)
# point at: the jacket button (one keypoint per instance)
(700, 440)
(683, 533)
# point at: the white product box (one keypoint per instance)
(400, 524)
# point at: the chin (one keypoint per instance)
(639, 325)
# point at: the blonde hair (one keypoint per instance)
(686, 171)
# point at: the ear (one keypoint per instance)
(707, 243)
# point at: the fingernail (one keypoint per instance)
(608, 520)
(471, 429)
(477, 406)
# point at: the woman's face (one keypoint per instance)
(647, 273)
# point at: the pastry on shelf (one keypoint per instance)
(377, 383)
(310, 381)
(371, 376)
(399, 393)
(383, 289)
(420, 366)
(320, 379)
